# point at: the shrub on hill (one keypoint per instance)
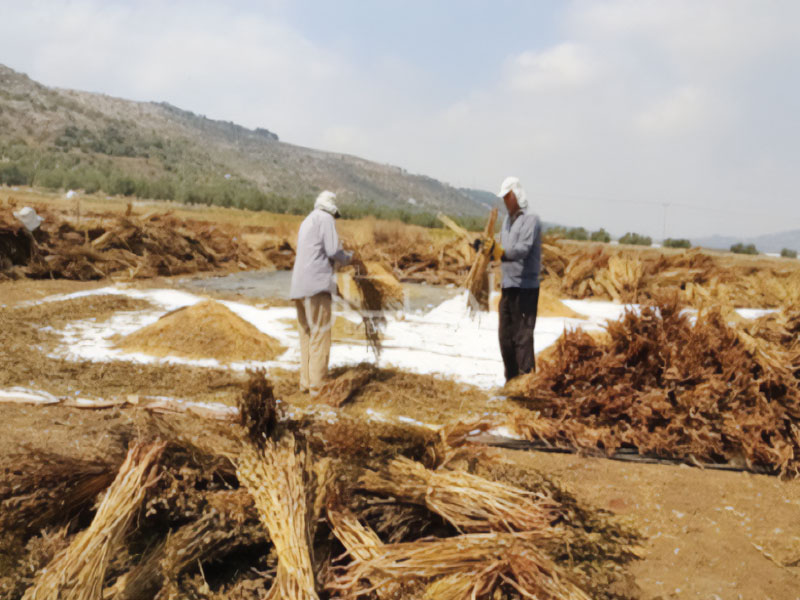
(787, 253)
(676, 243)
(635, 239)
(601, 235)
(744, 248)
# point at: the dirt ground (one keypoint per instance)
(710, 534)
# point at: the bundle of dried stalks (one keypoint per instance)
(488, 560)
(133, 247)
(477, 282)
(278, 477)
(339, 390)
(371, 289)
(79, 571)
(39, 489)
(469, 502)
(703, 391)
(257, 408)
(215, 534)
(361, 542)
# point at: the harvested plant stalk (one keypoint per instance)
(487, 559)
(277, 477)
(78, 572)
(469, 502)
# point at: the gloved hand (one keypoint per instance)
(497, 251)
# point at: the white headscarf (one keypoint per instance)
(512, 184)
(325, 201)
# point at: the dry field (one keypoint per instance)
(295, 499)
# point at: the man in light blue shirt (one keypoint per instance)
(313, 283)
(521, 240)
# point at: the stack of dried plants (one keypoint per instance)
(79, 571)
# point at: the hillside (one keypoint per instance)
(64, 139)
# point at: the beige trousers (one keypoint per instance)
(314, 318)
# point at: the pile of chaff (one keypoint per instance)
(584, 271)
(300, 509)
(128, 247)
(711, 390)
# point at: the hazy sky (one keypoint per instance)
(606, 110)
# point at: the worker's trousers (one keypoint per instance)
(314, 319)
(518, 308)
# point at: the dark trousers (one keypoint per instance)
(518, 309)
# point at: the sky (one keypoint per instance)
(673, 118)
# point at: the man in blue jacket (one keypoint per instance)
(521, 241)
(313, 283)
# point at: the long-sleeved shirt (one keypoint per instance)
(318, 248)
(521, 238)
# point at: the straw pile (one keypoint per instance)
(707, 391)
(474, 565)
(240, 512)
(78, 572)
(204, 330)
(128, 247)
(340, 389)
(277, 477)
(470, 503)
(581, 271)
(39, 489)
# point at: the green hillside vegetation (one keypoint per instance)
(636, 239)
(676, 243)
(64, 139)
(744, 248)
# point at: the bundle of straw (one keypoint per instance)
(361, 542)
(213, 535)
(469, 502)
(39, 489)
(338, 391)
(376, 290)
(477, 282)
(484, 560)
(78, 572)
(277, 477)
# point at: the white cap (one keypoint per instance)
(325, 201)
(512, 184)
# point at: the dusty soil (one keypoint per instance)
(711, 534)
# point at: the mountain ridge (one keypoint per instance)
(59, 137)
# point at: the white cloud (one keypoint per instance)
(683, 112)
(630, 100)
(564, 65)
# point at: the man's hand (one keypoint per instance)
(497, 251)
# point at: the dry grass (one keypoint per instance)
(469, 502)
(340, 389)
(278, 478)
(477, 282)
(705, 391)
(78, 572)
(488, 560)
